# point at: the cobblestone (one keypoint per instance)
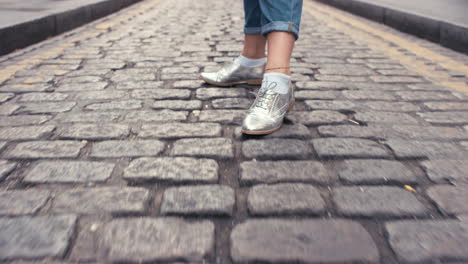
(283, 171)
(69, 172)
(156, 116)
(421, 149)
(45, 108)
(419, 241)
(177, 104)
(377, 202)
(450, 199)
(375, 172)
(46, 149)
(348, 147)
(454, 118)
(35, 237)
(276, 149)
(180, 130)
(285, 198)
(25, 133)
(217, 148)
(172, 170)
(121, 148)
(276, 240)
(156, 156)
(199, 200)
(16, 202)
(116, 200)
(93, 131)
(442, 170)
(6, 167)
(317, 117)
(21, 120)
(133, 239)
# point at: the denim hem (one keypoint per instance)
(252, 30)
(281, 26)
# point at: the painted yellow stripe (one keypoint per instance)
(383, 42)
(8, 72)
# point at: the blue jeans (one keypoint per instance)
(264, 16)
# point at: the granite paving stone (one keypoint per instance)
(284, 199)
(222, 116)
(348, 147)
(156, 116)
(69, 172)
(6, 167)
(89, 117)
(385, 117)
(420, 241)
(231, 103)
(39, 97)
(116, 200)
(216, 148)
(22, 120)
(211, 93)
(160, 94)
(25, 132)
(177, 104)
(180, 130)
(19, 202)
(450, 199)
(125, 148)
(79, 87)
(426, 96)
(115, 105)
(6, 96)
(369, 95)
(454, 118)
(304, 241)
(45, 108)
(421, 149)
(369, 171)
(276, 149)
(199, 200)
(93, 131)
(337, 105)
(46, 149)
(447, 106)
(377, 202)
(392, 106)
(133, 239)
(8, 109)
(178, 169)
(28, 237)
(252, 172)
(442, 170)
(319, 117)
(100, 95)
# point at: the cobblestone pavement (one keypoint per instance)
(112, 151)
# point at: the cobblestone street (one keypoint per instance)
(112, 150)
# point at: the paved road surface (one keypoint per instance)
(111, 150)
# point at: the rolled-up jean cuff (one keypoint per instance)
(252, 30)
(281, 26)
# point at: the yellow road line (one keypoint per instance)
(8, 72)
(381, 41)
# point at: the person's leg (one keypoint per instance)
(280, 24)
(249, 66)
(254, 46)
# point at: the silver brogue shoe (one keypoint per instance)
(266, 114)
(234, 73)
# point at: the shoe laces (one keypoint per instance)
(265, 95)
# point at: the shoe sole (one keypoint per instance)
(249, 82)
(266, 132)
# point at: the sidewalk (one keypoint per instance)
(444, 22)
(112, 150)
(23, 23)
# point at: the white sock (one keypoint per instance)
(282, 81)
(246, 62)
